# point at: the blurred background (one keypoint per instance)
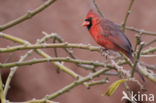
(65, 18)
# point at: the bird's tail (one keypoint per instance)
(137, 68)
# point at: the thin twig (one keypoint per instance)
(147, 51)
(9, 58)
(56, 53)
(2, 98)
(128, 61)
(152, 67)
(12, 72)
(55, 50)
(97, 8)
(141, 31)
(144, 71)
(140, 85)
(127, 14)
(95, 83)
(27, 16)
(149, 55)
(137, 59)
(149, 43)
(138, 40)
(111, 74)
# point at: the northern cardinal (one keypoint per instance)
(108, 35)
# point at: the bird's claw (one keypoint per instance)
(104, 52)
(103, 49)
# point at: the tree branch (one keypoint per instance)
(137, 59)
(76, 83)
(2, 98)
(53, 59)
(52, 45)
(13, 70)
(141, 31)
(27, 16)
(127, 14)
(94, 83)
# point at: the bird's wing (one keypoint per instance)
(115, 35)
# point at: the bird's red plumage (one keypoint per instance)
(108, 35)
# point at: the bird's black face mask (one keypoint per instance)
(90, 22)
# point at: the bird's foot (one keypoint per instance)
(103, 49)
(104, 52)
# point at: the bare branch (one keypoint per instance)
(137, 59)
(141, 31)
(56, 45)
(127, 14)
(27, 16)
(53, 59)
(2, 98)
(94, 83)
(76, 83)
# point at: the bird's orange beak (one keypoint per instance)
(85, 23)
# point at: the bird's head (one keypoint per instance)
(92, 19)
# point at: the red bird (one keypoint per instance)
(108, 35)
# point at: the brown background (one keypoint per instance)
(65, 18)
